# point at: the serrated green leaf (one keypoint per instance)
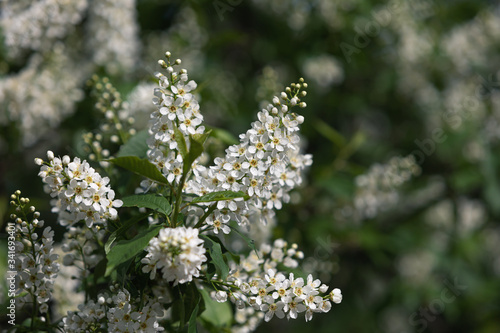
(218, 314)
(219, 196)
(151, 201)
(127, 249)
(135, 146)
(215, 252)
(141, 167)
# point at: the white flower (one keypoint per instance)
(273, 309)
(178, 252)
(218, 223)
(336, 295)
(294, 306)
(377, 189)
(220, 296)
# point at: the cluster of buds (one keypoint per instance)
(36, 264)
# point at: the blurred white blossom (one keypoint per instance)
(325, 70)
(377, 189)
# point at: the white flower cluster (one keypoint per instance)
(55, 86)
(296, 14)
(115, 128)
(112, 33)
(50, 33)
(39, 25)
(67, 294)
(257, 282)
(178, 252)
(80, 192)
(36, 264)
(468, 44)
(121, 313)
(177, 108)
(186, 34)
(268, 84)
(266, 165)
(324, 69)
(81, 245)
(139, 105)
(376, 190)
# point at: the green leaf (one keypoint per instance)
(181, 142)
(215, 252)
(220, 195)
(135, 146)
(192, 320)
(127, 249)
(251, 243)
(141, 167)
(218, 314)
(122, 229)
(200, 138)
(119, 272)
(186, 299)
(224, 136)
(99, 271)
(196, 142)
(151, 201)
